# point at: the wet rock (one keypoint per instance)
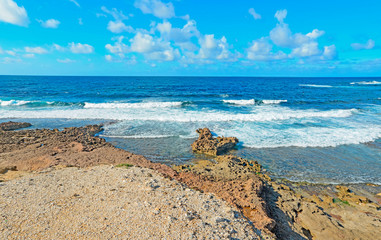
(209, 145)
(10, 126)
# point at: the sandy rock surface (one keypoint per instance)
(106, 202)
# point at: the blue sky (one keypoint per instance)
(190, 37)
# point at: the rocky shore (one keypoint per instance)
(98, 191)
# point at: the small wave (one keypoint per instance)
(180, 115)
(240, 102)
(138, 136)
(273, 101)
(13, 103)
(133, 105)
(315, 85)
(253, 102)
(24, 103)
(366, 83)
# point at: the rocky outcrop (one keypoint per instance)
(10, 126)
(38, 149)
(234, 179)
(209, 145)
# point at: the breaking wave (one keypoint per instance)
(315, 85)
(366, 83)
(253, 102)
(133, 105)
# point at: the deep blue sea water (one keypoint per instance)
(303, 129)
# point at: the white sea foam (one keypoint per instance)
(13, 103)
(315, 85)
(133, 105)
(366, 83)
(253, 101)
(137, 136)
(266, 113)
(273, 101)
(240, 102)
(310, 136)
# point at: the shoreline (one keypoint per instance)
(277, 208)
(281, 163)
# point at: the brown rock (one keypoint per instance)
(9, 126)
(345, 194)
(6, 169)
(233, 179)
(209, 145)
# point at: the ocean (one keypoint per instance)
(325, 130)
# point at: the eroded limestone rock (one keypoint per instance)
(209, 145)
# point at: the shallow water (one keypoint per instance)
(303, 129)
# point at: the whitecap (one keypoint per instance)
(240, 102)
(315, 85)
(366, 83)
(133, 105)
(273, 101)
(13, 103)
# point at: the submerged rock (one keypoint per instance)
(209, 145)
(10, 126)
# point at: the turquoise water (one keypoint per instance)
(303, 129)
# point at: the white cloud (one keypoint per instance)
(151, 47)
(66, 60)
(11, 60)
(75, 2)
(261, 50)
(10, 52)
(29, 55)
(254, 14)
(281, 15)
(301, 45)
(108, 58)
(81, 48)
(117, 15)
(37, 50)
(58, 47)
(368, 45)
(212, 48)
(143, 43)
(281, 35)
(156, 8)
(118, 48)
(164, 28)
(315, 34)
(180, 36)
(51, 23)
(329, 52)
(10, 12)
(80, 21)
(306, 50)
(118, 27)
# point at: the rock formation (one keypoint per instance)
(209, 145)
(10, 126)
